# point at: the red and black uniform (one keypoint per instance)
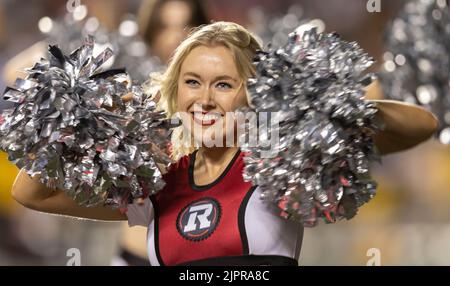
(222, 223)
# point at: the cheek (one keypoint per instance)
(230, 105)
(184, 98)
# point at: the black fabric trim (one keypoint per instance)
(156, 219)
(244, 260)
(132, 259)
(241, 220)
(216, 181)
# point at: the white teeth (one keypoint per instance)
(209, 117)
(206, 117)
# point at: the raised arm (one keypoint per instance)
(34, 195)
(406, 125)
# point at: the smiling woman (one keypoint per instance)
(207, 214)
(209, 87)
(206, 79)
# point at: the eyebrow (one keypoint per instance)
(221, 77)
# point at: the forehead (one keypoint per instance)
(210, 61)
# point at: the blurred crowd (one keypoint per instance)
(407, 223)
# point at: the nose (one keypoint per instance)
(207, 98)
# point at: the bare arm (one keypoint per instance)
(406, 125)
(34, 195)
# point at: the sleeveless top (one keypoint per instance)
(222, 223)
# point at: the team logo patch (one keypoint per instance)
(198, 220)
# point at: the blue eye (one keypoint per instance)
(224, 85)
(191, 82)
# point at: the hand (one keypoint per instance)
(125, 98)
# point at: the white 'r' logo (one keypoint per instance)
(202, 218)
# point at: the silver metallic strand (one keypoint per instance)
(319, 169)
(70, 126)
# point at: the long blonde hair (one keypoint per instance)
(243, 46)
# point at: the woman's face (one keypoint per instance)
(175, 16)
(209, 87)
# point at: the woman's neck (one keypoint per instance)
(216, 154)
(211, 162)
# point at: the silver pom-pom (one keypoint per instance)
(320, 166)
(71, 126)
(417, 62)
